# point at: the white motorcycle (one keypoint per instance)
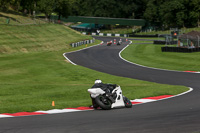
(108, 98)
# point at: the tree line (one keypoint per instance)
(168, 13)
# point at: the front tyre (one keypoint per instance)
(127, 102)
(103, 102)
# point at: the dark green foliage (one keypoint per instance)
(163, 13)
(173, 13)
(46, 6)
(62, 8)
(4, 4)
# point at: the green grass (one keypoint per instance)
(36, 38)
(33, 71)
(141, 42)
(152, 56)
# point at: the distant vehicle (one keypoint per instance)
(109, 43)
(119, 43)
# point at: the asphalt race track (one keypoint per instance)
(176, 115)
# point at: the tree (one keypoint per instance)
(62, 8)
(85, 8)
(173, 13)
(46, 6)
(28, 6)
(76, 7)
(152, 11)
(195, 12)
(105, 8)
(139, 7)
(4, 4)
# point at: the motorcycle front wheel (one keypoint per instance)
(127, 102)
(103, 102)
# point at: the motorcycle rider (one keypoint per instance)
(108, 88)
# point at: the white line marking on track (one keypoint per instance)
(190, 90)
(143, 100)
(4, 116)
(149, 100)
(55, 111)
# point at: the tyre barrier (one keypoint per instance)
(180, 49)
(164, 42)
(82, 43)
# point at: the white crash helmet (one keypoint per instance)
(97, 81)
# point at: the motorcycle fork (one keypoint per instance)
(110, 98)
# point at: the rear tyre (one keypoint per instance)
(103, 102)
(127, 102)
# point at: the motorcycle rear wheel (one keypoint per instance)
(103, 102)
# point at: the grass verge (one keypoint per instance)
(151, 55)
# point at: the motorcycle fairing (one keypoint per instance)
(95, 92)
(119, 102)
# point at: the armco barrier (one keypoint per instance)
(105, 34)
(122, 35)
(82, 43)
(180, 49)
